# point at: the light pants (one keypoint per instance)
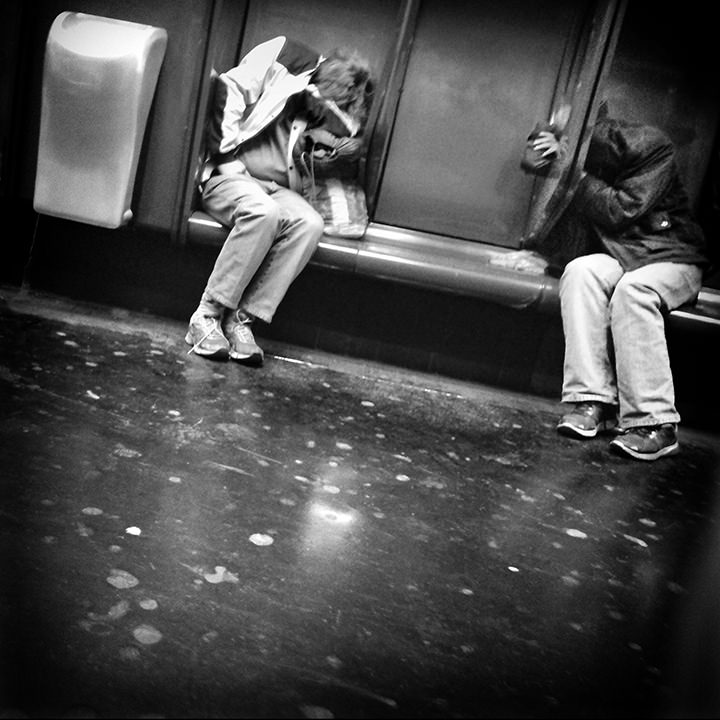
(614, 324)
(274, 232)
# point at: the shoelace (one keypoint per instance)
(242, 328)
(213, 327)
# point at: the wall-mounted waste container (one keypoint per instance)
(99, 79)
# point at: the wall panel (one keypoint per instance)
(367, 26)
(480, 75)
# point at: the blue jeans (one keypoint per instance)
(614, 324)
(274, 232)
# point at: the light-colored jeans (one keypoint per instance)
(615, 345)
(274, 232)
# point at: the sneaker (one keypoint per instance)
(648, 442)
(587, 419)
(243, 347)
(206, 338)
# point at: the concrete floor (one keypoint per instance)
(329, 538)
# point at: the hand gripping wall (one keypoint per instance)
(99, 78)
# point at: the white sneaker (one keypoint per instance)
(206, 337)
(243, 347)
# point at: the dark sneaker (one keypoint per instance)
(647, 443)
(587, 419)
(206, 338)
(243, 347)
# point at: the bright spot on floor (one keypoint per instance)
(575, 533)
(147, 634)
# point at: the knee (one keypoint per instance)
(582, 266)
(261, 210)
(591, 274)
(631, 292)
(577, 273)
(313, 225)
(307, 229)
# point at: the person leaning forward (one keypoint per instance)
(638, 254)
(251, 183)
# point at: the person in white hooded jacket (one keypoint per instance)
(251, 184)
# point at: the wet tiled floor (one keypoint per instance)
(328, 538)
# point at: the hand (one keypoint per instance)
(321, 139)
(546, 143)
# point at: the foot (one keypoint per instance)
(206, 337)
(647, 443)
(586, 419)
(243, 348)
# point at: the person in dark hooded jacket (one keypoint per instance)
(641, 255)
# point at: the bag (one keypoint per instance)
(342, 205)
(330, 182)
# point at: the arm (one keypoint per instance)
(648, 170)
(326, 144)
(237, 89)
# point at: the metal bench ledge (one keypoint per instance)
(448, 265)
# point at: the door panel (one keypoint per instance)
(478, 78)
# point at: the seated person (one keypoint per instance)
(253, 186)
(637, 253)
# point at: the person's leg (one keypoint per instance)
(638, 309)
(586, 286)
(589, 386)
(300, 229)
(253, 216)
(642, 299)
(238, 202)
(275, 233)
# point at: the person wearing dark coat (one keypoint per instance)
(638, 254)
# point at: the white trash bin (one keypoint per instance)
(99, 79)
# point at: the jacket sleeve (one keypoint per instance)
(648, 166)
(237, 89)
